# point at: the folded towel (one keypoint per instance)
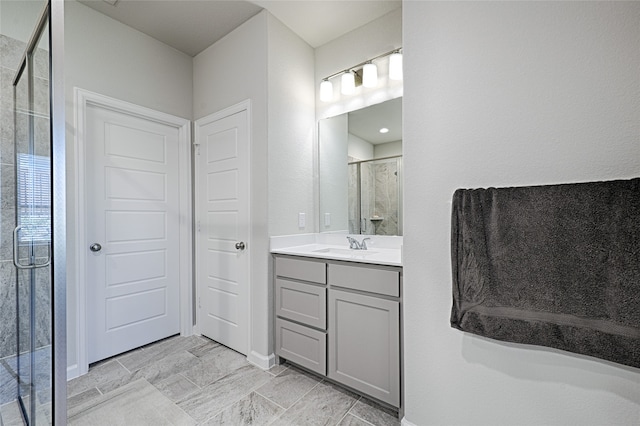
(556, 266)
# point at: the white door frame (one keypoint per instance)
(83, 99)
(234, 109)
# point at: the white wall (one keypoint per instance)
(107, 57)
(388, 149)
(333, 173)
(291, 130)
(228, 72)
(358, 147)
(509, 93)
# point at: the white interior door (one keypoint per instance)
(222, 215)
(133, 231)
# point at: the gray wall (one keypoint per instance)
(509, 93)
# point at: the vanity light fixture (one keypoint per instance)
(395, 65)
(348, 83)
(370, 75)
(364, 73)
(326, 91)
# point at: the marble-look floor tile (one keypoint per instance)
(82, 398)
(253, 410)
(153, 352)
(176, 387)
(325, 404)
(166, 366)
(278, 368)
(153, 372)
(99, 375)
(374, 413)
(137, 403)
(288, 387)
(203, 347)
(350, 420)
(214, 365)
(207, 402)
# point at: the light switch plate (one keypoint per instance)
(327, 219)
(302, 221)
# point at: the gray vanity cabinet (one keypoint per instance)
(342, 320)
(364, 331)
(301, 307)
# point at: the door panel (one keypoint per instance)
(222, 270)
(133, 212)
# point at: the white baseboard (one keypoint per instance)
(405, 422)
(73, 371)
(262, 361)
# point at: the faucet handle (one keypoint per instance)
(352, 242)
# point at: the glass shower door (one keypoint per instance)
(32, 235)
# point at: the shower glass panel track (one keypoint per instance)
(37, 370)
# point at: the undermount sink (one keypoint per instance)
(349, 252)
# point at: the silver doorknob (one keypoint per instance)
(95, 247)
(240, 246)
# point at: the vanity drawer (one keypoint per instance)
(372, 280)
(305, 303)
(298, 269)
(302, 345)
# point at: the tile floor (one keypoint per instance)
(196, 381)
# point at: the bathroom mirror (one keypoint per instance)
(360, 170)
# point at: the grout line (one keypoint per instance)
(360, 418)
(187, 379)
(349, 412)
(270, 400)
(122, 365)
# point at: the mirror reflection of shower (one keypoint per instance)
(375, 199)
(360, 170)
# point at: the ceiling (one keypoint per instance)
(193, 25)
(366, 123)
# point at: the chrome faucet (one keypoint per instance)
(355, 245)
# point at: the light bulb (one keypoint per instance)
(370, 75)
(395, 66)
(326, 91)
(348, 83)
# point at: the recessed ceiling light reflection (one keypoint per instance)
(384, 130)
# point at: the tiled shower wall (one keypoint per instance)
(11, 52)
(386, 197)
(380, 187)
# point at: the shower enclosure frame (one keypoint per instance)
(51, 20)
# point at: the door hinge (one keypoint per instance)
(196, 147)
(198, 226)
(199, 302)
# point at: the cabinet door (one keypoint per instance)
(364, 344)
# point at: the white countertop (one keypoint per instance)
(378, 252)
